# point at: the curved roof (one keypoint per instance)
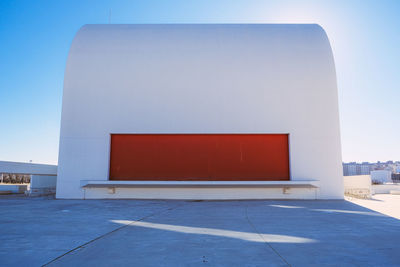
(115, 49)
(158, 64)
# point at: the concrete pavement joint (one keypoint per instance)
(106, 234)
(265, 241)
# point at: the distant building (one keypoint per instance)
(390, 168)
(397, 169)
(350, 169)
(396, 177)
(20, 172)
(365, 168)
(354, 168)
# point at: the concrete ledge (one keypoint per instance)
(384, 188)
(211, 190)
(127, 184)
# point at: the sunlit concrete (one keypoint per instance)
(384, 203)
(252, 237)
(37, 231)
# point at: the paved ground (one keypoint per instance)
(38, 231)
(383, 203)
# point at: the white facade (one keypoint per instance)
(200, 79)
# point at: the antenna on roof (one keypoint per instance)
(109, 17)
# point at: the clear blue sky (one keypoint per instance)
(35, 37)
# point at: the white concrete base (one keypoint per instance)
(200, 190)
(41, 192)
(384, 188)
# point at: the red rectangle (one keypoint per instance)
(199, 157)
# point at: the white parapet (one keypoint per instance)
(43, 185)
(358, 186)
(385, 188)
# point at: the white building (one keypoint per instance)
(382, 176)
(200, 112)
(42, 177)
(397, 170)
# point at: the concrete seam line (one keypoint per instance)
(108, 233)
(265, 241)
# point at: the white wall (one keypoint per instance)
(200, 79)
(42, 185)
(358, 185)
(43, 181)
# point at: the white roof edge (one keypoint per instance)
(27, 168)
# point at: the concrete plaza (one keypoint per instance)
(40, 231)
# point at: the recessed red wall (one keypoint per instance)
(199, 157)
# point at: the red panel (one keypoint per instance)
(197, 157)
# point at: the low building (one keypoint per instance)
(35, 179)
